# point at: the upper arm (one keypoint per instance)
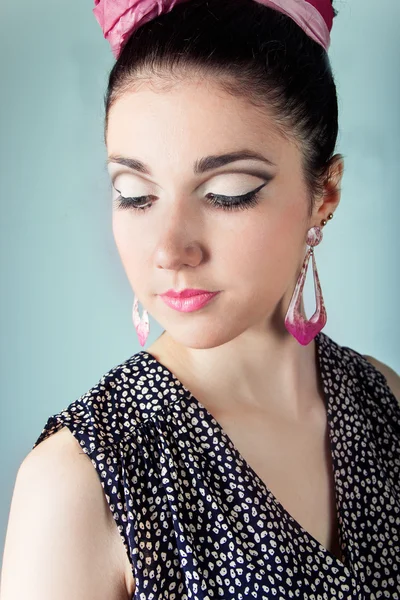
(392, 377)
(59, 541)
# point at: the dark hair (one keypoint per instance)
(255, 52)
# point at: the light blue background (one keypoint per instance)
(65, 300)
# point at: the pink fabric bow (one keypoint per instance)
(120, 18)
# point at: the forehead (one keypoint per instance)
(193, 115)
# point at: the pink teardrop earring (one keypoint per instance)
(142, 325)
(295, 321)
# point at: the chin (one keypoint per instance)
(202, 336)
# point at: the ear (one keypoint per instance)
(330, 197)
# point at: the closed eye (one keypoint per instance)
(223, 202)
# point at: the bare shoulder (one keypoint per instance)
(59, 517)
(392, 377)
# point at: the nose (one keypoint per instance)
(179, 242)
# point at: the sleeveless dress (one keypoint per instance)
(196, 520)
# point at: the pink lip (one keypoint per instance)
(187, 293)
(190, 303)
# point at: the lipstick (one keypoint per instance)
(188, 300)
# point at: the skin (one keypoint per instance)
(253, 255)
(235, 354)
(62, 541)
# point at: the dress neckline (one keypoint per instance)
(321, 340)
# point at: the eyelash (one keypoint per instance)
(242, 202)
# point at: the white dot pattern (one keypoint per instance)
(195, 519)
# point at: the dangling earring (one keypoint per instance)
(295, 322)
(142, 325)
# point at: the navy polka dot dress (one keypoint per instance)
(196, 520)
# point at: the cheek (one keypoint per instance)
(265, 261)
(129, 240)
(258, 251)
(270, 243)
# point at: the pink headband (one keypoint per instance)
(120, 18)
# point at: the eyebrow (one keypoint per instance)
(207, 163)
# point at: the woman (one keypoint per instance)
(245, 453)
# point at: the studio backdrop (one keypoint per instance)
(65, 301)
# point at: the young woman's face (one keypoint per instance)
(251, 251)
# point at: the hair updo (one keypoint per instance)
(254, 52)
